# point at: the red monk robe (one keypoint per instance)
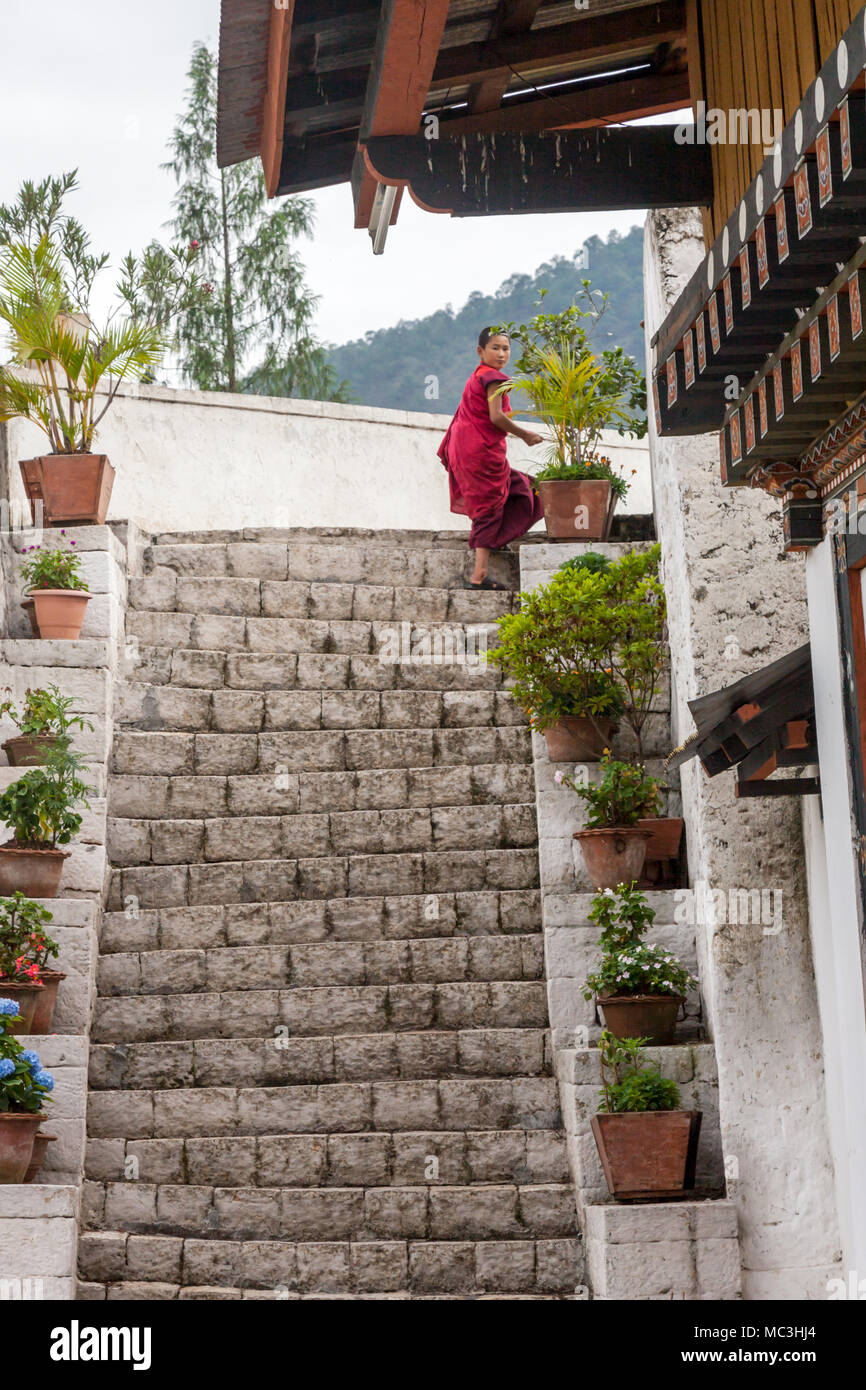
(499, 500)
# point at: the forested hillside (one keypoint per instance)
(394, 366)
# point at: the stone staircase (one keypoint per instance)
(321, 1063)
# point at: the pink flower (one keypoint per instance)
(193, 246)
(559, 778)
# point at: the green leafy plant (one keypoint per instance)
(61, 361)
(45, 713)
(624, 795)
(634, 637)
(25, 1085)
(631, 1081)
(52, 567)
(628, 966)
(39, 806)
(25, 946)
(592, 561)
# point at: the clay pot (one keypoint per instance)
(40, 1145)
(575, 739)
(75, 489)
(44, 1011)
(35, 871)
(651, 1154)
(614, 855)
(26, 995)
(666, 832)
(30, 609)
(17, 1133)
(650, 1016)
(28, 750)
(577, 511)
(60, 612)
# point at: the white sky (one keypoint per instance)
(98, 85)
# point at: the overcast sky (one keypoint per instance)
(99, 84)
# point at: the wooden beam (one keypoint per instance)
(279, 40)
(624, 99)
(512, 17)
(568, 171)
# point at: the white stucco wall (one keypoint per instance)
(196, 460)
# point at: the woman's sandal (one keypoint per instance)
(486, 583)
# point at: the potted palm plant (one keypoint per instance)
(65, 372)
(39, 809)
(25, 949)
(639, 988)
(613, 843)
(58, 592)
(25, 1086)
(647, 1145)
(44, 722)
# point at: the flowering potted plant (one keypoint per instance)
(59, 594)
(44, 722)
(39, 808)
(613, 844)
(647, 1144)
(25, 949)
(639, 987)
(25, 1086)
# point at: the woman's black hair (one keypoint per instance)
(487, 333)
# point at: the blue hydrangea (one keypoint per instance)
(45, 1079)
(8, 1006)
(31, 1058)
(7, 1066)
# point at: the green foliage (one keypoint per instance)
(624, 795)
(52, 567)
(39, 806)
(393, 366)
(631, 1082)
(628, 965)
(47, 272)
(253, 329)
(591, 561)
(24, 944)
(20, 1091)
(597, 466)
(45, 712)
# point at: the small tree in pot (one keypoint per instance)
(39, 808)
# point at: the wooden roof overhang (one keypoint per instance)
(766, 343)
(312, 86)
(759, 725)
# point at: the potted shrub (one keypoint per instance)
(612, 843)
(65, 371)
(639, 987)
(25, 949)
(647, 1145)
(60, 596)
(25, 1086)
(577, 394)
(39, 808)
(44, 722)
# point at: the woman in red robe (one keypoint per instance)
(500, 501)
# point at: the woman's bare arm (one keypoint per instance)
(504, 422)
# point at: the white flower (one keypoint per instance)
(558, 777)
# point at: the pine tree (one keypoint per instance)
(252, 331)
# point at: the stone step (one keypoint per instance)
(407, 830)
(175, 708)
(312, 1061)
(132, 1291)
(330, 964)
(334, 750)
(432, 1213)
(173, 1263)
(214, 668)
(320, 1011)
(163, 590)
(513, 1103)
(339, 919)
(139, 796)
(386, 642)
(278, 880)
(337, 1160)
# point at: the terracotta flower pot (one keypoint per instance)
(60, 612)
(666, 832)
(30, 609)
(35, 871)
(75, 489)
(37, 1158)
(26, 994)
(17, 1133)
(28, 750)
(577, 511)
(650, 1016)
(648, 1154)
(44, 1011)
(613, 856)
(575, 739)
